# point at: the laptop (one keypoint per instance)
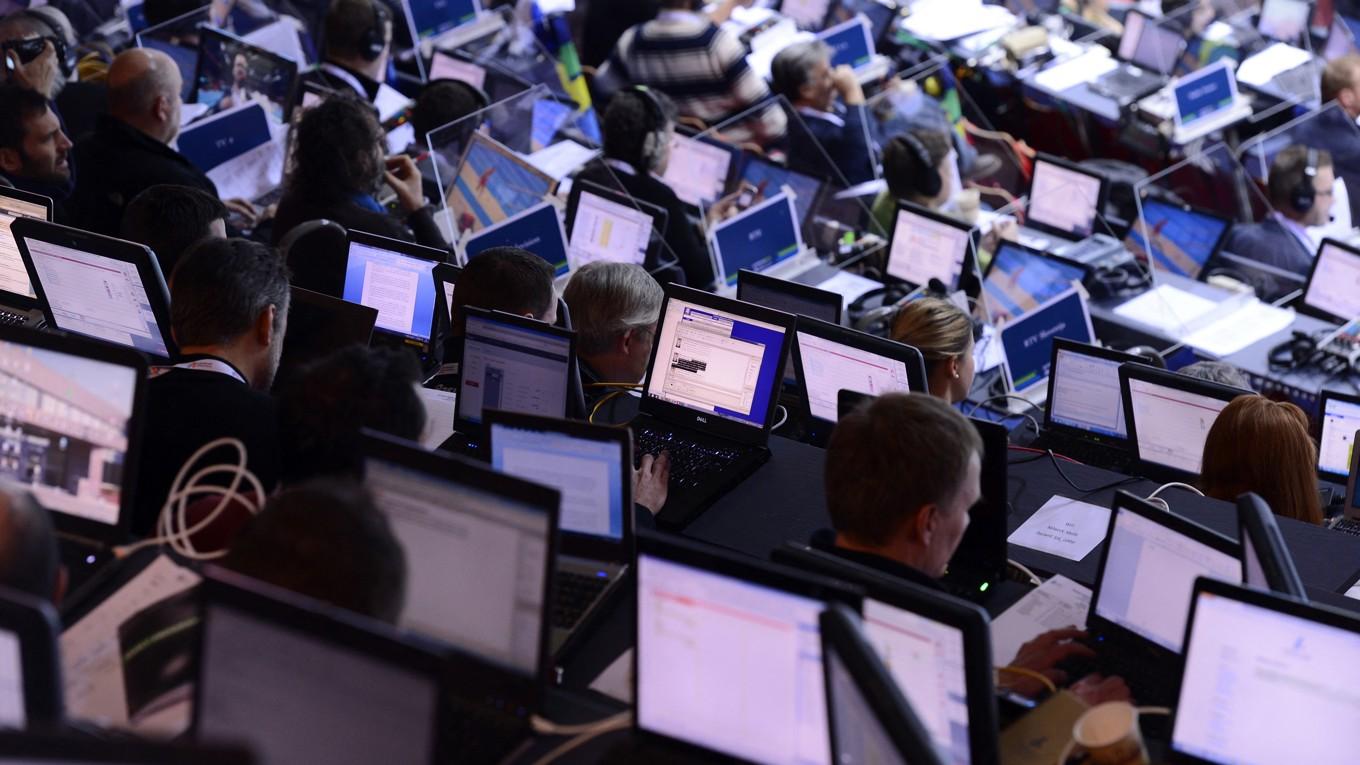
(30, 669)
(830, 358)
(852, 44)
(479, 560)
(397, 279)
(979, 562)
(1148, 566)
(239, 151)
(870, 718)
(1020, 279)
(474, 201)
(537, 229)
(18, 301)
(926, 245)
(1339, 415)
(33, 748)
(1168, 416)
(1176, 238)
(1027, 345)
(766, 239)
(709, 395)
(232, 72)
(96, 286)
(728, 659)
(789, 296)
(1285, 20)
(1266, 562)
(445, 66)
(319, 325)
(1084, 414)
(763, 179)
(431, 18)
(613, 227)
(1206, 101)
(936, 648)
(1065, 204)
(1148, 52)
(297, 680)
(74, 411)
(700, 169)
(592, 467)
(1290, 668)
(1331, 292)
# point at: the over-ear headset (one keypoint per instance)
(656, 133)
(374, 39)
(1304, 195)
(929, 183)
(66, 57)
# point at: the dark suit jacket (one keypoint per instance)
(1271, 243)
(299, 207)
(846, 145)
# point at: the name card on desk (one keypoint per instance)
(1064, 527)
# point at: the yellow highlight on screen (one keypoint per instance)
(605, 231)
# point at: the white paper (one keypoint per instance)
(988, 354)
(389, 102)
(849, 286)
(944, 20)
(1166, 308)
(562, 158)
(91, 665)
(1275, 59)
(1354, 592)
(1073, 72)
(616, 681)
(255, 173)
(190, 112)
(766, 45)
(1053, 605)
(1064, 527)
(438, 416)
(279, 37)
(1253, 322)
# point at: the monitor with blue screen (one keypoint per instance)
(1028, 342)
(769, 179)
(431, 18)
(396, 279)
(492, 184)
(1205, 93)
(1020, 279)
(850, 43)
(538, 230)
(1176, 238)
(758, 239)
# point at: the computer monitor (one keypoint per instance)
(1147, 44)
(937, 650)
(97, 286)
(232, 72)
(758, 239)
(699, 169)
(1168, 416)
(397, 279)
(1266, 562)
(1200, 96)
(927, 245)
(807, 14)
(1020, 279)
(980, 559)
(1175, 237)
(1148, 566)
(613, 227)
(512, 363)
(30, 670)
(790, 297)
(871, 720)
(769, 179)
(851, 43)
(1027, 342)
(30, 748)
(1340, 417)
(1333, 288)
(319, 325)
(728, 656)
(478, 547)
(831, 358)
(444, 66)
(475, 201)
(178, 39)
(431, 18)
(1064, 198)
(1284, 20)
(300, 681)
(717, 362)
(538, 230)
(1264, 678)
(15, 288)
(1083, 392)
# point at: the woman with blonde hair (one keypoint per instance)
(1263, 446)
(943, 333)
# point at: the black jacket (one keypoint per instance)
(114, 164)
(825, 540)
(298, 207)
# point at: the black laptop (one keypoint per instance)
(30, 666)
(789, 296)
(1169, 416)
(1148, 52)
(1266, 561)
(710, 394)
(18, 301)
(319, 325)
(397, 279)
(31, 748)
(1084, 413)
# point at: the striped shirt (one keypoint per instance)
(703, 68)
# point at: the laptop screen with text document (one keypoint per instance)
(510, 366)
(1086, 394)
(588, 473)
(1171, 425)
(1063, 199)
(603, 229)
(1020, 279)
(1340, 419)
(1334, 285)
(1028, 342)
(400, 287)
(697, 170)
(759, 238)
(924, 248)
(717, 362)
(1175, 238)
(538, 230)
(830, 367)
(13, 275)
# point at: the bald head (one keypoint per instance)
(28, 547)
(144, 86)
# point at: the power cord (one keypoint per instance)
(782, 420)
(580, 733)
(1030, 404)
(1024, 672)
(1022, 568)
(1155, 499)
(1083, 489)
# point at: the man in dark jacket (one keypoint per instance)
(832, 134)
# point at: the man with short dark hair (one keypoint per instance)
(170, 219)
(34, 151)
(29, 561)
(357, 35)
(228, 313)
(506, 279)
(1299, 189)
(831, 134)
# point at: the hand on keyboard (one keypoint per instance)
(1043, 655)
(651, 481)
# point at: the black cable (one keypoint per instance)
(1083, 489)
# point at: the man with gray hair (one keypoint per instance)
(835, 132)
(614, 309)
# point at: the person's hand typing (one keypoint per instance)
(404, 178)
(1094, 689)
(1042, 655)
(847, 85)
(651, 481)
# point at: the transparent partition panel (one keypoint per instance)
(502, 41)
(178, 38)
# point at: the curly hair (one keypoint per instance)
(337, 153)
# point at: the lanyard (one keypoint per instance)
(203, 365)
(347, 78)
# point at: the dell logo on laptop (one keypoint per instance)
(702, 420)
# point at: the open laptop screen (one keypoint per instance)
(12, 703)
(1086, 393)
(1171, 424)
(587, 471)
(697, 170)
(13, 275)
(1264, 683)
(1028, 342)
(446, 67)
(538, 230)
(758, 239)
(770, 179)
(400, 287)
(1063, 199)
(1178, 239)
(1020, 279)
(430, 18)
(715, 361)
(1340, 419)
(232, 72)
(850, 42)
(513, 366)
(1148, 574)
(602, 229)
(492, 184)
(1334, 285)
(926, 247)
(1150, 45)
(829, 367)
(1204, 93)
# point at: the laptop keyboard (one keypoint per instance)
(1346, 526)
(11, 319)
(573, 594)
(691, 463)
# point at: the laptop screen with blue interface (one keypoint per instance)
(401, 288)
(433, 17)
(1340, 420)
(770, 179)
(588, 473)
(1086, 394)
(850, 43)
(1020, 280)
(217, 140)
(513, 368)
(1205, 93)
(715, 361)
(758, 239)
(538, 230)
(1175, 238)
(1028, 342)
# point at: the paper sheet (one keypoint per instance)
(1250, 324)
(945, 20)
(561, 158)
(279, 37)
(1055, 604)
(438, 416)
(190, 112)
(766, 45)
(255, 173)
(1354, 591)
(1064, 527)
(1074, 71)
(616, 681)
(1166, 308)
(849, 286)
(1275, 59)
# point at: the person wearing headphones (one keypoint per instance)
(835, 132)
(441, 103)
(918, 169)
(1299, 188)
(358, 44)
(38, 54)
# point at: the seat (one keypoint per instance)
(317, 251)
(576, 399)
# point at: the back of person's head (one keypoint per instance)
(1220, 372)
(442, 102)
(1288, 172)
(350, 27)
(1340, 74)
(635, 127)
(911, 162)
(160, 11)
(170, 219)
(18, 106)
(325, 405)
(792, 67)
(220, 289)
(328, 541)
(608, 301)
(338, 152)
(891, 457)
(1263, 446)
(29, 561)
(943, 333)
(506, 279)
(144, 87)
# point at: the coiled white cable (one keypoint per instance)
(1158, 501)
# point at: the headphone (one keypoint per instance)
(478, 95)
(651, 144)
(374, 41)
(1304, 195)
(66, 57)
(930, 183)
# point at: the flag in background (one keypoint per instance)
(552, 31)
